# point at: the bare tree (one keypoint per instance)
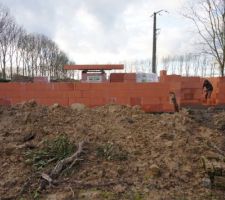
(18, 52)
(32, 54)
(40, 56)
(212, 69)
(13, 37)
(181, 62)
(187, 63)
(196, 63)
(203, 67)
(5, 24)
(208, 17)
(166, 62)
(4, 15)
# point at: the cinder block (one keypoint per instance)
(5, 102)
(73, 94)
(17, 100)
(190, 102)
(172, 78)
(50, 101)
(118, 93)
(152, 107)
(130, 81)
(11, 87)
(98, 93)
(38, 86)
(85, 101)
(82, 86)
(163, 73)
(99, 86)
(123, 100)
(63, 86)
(122, 86)
(110, 100)
(85, 93)
(167, 107)
(136, 101)
(152, 100)
(10, 93)
(191, 85)
(130, 76)
(97, 101)
(116, 77)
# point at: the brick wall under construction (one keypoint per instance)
(152, 97)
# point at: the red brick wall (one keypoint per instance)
(152, 97)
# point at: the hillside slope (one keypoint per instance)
(127, 154)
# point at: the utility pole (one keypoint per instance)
(154, 46)
(223, 32)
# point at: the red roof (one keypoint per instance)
(93, 67)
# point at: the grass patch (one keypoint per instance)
(138, 196)
(108, 195)
(52, 151)
(132, 195)
(111, 151)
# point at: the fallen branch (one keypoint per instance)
(71, 189)
(66, 163)
(47, 178)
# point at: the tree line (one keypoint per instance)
(27, 54)
(191, 64)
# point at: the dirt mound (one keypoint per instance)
(127, 154)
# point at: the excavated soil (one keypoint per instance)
(145, 156)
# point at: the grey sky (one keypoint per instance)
(99, 31)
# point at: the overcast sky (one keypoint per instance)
(103, 31)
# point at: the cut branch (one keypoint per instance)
(66, 163)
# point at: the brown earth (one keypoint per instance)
(128, 154)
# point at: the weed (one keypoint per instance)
(36, 195)
(138, 196)
(52, 151)
(180, 196)
(211, 196)
(133, 195)
(107, 195)
(111, 151)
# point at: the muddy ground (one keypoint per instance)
(127, 154)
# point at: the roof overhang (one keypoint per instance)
(94, 67)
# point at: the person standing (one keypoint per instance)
(208, 89)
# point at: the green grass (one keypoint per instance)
(111, 151)
(52, 151)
